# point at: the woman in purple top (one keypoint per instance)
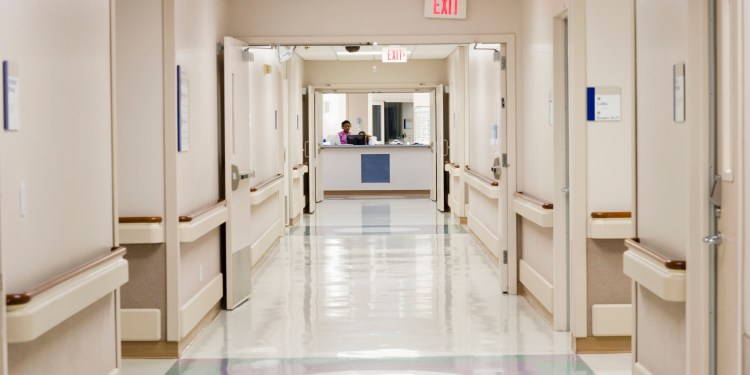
(346, 125)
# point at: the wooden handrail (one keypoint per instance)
(545, 205)
(299, 166)
(611, 215)
(479, 176)
(672, 264)
(266, 182)
(25, 297)
(193, 215)
(139, 219)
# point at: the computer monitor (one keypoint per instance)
(355, 139)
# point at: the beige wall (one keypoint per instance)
(343, 72)
(335, 18)
(610, 148)
(535, 151)
(199, 26)
(63, 155)
(140, 108)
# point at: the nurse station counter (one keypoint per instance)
(352, 168)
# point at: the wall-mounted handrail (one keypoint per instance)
(534, 210)
(195, 214)
(266, 183)
(611, 225)
(611, 215)
(539, 202)
(476, 175)
(672, 264)
(139, 219)
(14, 299)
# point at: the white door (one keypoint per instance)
(439, 151)
(500, 166)
(316, 127)
(308, 149)
(236, 166)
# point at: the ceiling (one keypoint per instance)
(421, 51)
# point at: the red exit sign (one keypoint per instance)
(394, 54)
(445, 8)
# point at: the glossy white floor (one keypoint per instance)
(380, 286)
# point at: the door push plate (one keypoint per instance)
(497, 169)
(235, 177)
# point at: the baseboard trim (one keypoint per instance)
(202, 324)
(537, 285)
(167, 349)
(194, 310)
(535, 304)
(150, 349)
(484, 234)
(261, 247)
(602, 345)
(640, 369)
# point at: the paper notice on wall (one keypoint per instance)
(494, 138)
(183, 111)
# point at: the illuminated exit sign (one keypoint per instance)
(445, 9)
(394, 54)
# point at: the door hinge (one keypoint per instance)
(502, 103)
(716, 191)
(503, 61)
(504, 160)
(505, 256)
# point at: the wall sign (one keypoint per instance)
(394, 54)
(11, 97)
(603, 104)
(452, 9)
(183, 111)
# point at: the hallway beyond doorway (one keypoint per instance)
(377, 286)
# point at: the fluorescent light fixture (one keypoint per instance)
(286, 53)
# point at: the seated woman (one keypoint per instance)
(345, 125)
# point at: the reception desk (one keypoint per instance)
(349, 168)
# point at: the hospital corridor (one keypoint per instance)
(346, 187)
(380, 286)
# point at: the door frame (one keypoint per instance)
(561, 131)
(509, 40)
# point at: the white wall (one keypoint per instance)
(63, 155)
(535, 150)
(343, 72)
(262, 18)
(610, 148)
(199, 26)
(140, 104)
(334, 113)
(356, 112)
